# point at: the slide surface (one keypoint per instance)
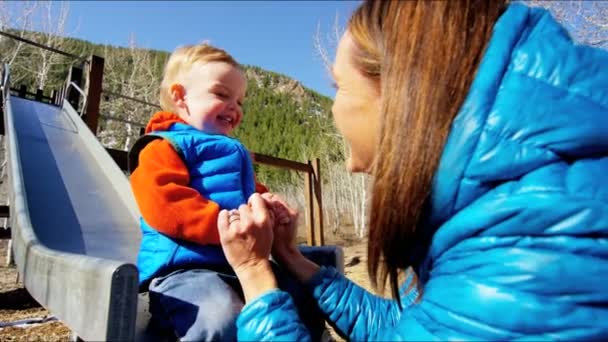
(74, 221)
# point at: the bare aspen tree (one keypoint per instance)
(51, 32)
(324, 44)
(16, 18)
(130, 72)
(42, 22)
(354, 197)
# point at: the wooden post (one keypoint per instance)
(76, 77)
(318, 203)
(54, 96)
(94, 92)
(39, 94)
(310, 209)
(22, 90)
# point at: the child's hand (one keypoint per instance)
(285, 227)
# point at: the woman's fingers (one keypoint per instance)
(245, 218)
(222, 220)
(261, 215)
(270, 200)
(269, 196)
(256, 201)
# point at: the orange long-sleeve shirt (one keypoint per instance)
(160, 184)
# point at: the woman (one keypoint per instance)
(487, 136)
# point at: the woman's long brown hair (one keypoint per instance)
(424, 54)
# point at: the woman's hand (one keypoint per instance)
(285, 227)
(246, 236)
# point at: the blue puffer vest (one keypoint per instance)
(221, 170)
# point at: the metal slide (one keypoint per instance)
(75, 228)
(74, 221)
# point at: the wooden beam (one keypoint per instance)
(318, 203)
(282, 163)
(309, 209)
(94, 92)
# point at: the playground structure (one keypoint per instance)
(74, 222)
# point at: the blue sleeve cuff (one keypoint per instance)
(322, 277)
(271, 317)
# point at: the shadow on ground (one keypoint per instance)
(17, 299)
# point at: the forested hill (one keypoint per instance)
(282, 117)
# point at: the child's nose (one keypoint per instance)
(232, 105)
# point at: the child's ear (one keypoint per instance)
(178, 95)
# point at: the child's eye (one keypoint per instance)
(222, 95)
(240, 103)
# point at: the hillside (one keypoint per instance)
(282, 117)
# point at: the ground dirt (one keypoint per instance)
(16, 304)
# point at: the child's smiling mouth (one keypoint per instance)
(226, 119)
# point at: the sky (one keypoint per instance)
(275, 35)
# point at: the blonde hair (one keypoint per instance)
(180, 62)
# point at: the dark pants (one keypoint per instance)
(203, 304)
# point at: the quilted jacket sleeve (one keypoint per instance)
(271, 317)
(355, 312)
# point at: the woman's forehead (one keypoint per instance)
(344, 53)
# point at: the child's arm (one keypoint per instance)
(160, 186)
(260, 188)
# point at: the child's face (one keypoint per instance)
(213, 97)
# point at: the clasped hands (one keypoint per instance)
(249, 234)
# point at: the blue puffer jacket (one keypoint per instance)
(221, 170)
(521, 202)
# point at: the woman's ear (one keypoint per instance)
(178, 95)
